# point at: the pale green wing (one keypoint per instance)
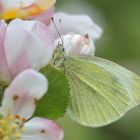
(130, 80)
(101, 91)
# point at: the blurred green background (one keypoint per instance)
(120, 43)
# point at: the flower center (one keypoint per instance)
(24, 9)
(10, 129)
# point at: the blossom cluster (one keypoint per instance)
(28, 38)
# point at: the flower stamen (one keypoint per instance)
(10, 129)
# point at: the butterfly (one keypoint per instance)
(101, 91)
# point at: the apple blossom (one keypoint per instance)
(79, 33)
(23, 44)
(18, 106)
(10, 9)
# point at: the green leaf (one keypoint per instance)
(55, 102)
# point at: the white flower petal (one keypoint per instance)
(42, 129)
(21, 96)
(78, 24)
(28, 44)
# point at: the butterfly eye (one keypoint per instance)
(63, 49)
(58, 63)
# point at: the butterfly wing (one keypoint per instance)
(101, 91)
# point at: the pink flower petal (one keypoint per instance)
(28, 44)
(44, 17)
(42, 129)
(4, 70)
(21, 96)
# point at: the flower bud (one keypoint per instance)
(77, 44)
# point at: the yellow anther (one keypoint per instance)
(10, 14)
(10, 129)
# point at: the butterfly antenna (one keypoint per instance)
(61, 43)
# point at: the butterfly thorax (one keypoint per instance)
(58, 57)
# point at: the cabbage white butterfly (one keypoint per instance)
(101, 91)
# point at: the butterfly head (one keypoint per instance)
(58, 57)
